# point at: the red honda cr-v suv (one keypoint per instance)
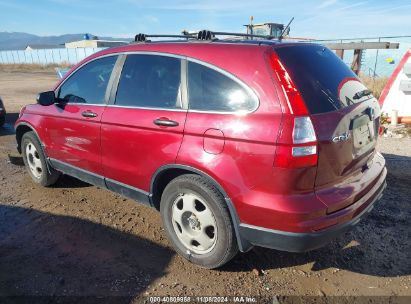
(237, 143)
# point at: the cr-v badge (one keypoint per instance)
(343, 137)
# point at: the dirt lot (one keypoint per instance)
(77, 239)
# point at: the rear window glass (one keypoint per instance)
(210, 90)
(325, 82)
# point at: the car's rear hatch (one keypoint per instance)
(345, 117)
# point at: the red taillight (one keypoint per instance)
(294, 102)
(297, 143)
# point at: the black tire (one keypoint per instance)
(225, 246)
(47, 176)
(2, 120)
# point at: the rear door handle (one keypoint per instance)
(165, 122)
(89, 114)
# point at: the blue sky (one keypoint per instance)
(123, 18)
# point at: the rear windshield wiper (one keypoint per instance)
(361, 94)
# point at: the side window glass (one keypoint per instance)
(150, 81)
(210, 90)
(89, 83)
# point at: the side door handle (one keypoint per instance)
(89, 114)
(165, 122)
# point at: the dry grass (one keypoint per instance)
(376, 85)
(32, 67)
(406, 131)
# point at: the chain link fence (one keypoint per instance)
(46, 56)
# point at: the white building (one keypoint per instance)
(93, 44)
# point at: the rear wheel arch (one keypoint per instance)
(161, 179)
(165, 174)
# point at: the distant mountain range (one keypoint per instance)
(19, 41)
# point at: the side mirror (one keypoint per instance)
(46, 98)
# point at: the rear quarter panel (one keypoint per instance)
(247, 141)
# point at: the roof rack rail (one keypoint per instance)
(269, 37)
(211, 35)
(143, 37)
(200, 35)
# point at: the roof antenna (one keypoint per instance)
(285, 29)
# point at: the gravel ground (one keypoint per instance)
(76, 239)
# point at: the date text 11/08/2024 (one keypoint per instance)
(201, 299)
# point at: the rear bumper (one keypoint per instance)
(305, 241)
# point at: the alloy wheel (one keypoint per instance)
(33, 160)
(194, 223)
